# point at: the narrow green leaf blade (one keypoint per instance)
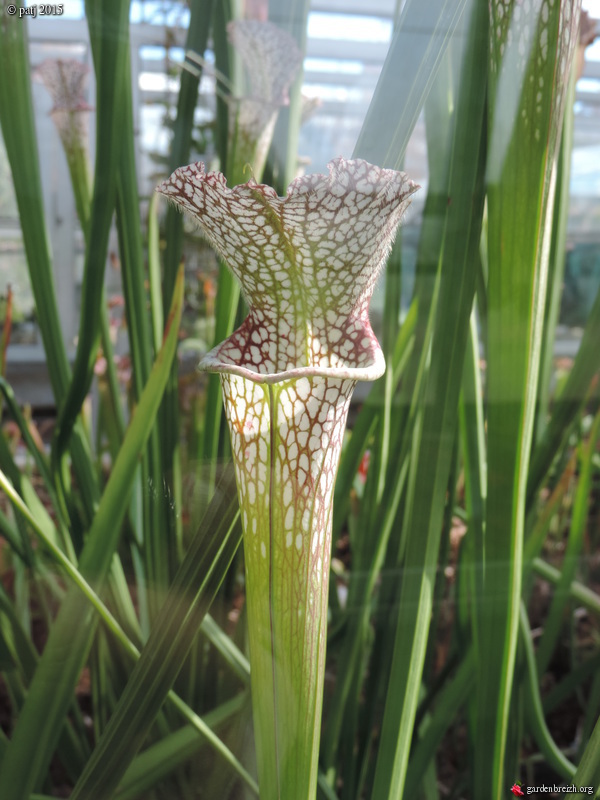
(433, 446)
(529, 62)
(421, 38)
(109, 28)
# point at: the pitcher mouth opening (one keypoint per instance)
(368, 372)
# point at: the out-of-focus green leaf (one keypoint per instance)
(532, 48)
(153, 764)
(568, 403)
(435, 435)
(422, 35)
(172, 636)
(168, 548)
(573, 550)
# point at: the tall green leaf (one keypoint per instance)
(201, 14)
(531, 53)
(416, 51)
(432, 450)
(18, 130)
(109, 33)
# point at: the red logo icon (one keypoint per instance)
(516, 790)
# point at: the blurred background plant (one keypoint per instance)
(464, 607)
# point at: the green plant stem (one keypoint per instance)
(533, 706)
(580, 593)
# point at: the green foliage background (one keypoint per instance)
(469, 424)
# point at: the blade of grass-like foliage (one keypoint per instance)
(74, 142)
(385, 528)
(228, 293)
(572, 553)
(366, 420)
(365, 573)
(362, 430)
(39, 457)
(569, 402)
(432, 450)
(75, 148)
(25, 489)
(282, 166)
(57, 554)
(109, 26)
(16, 644)
(536, 538)
(155, 763)
(452, 697)
(200, 726)
(379, 506)
(19, 648)
(472, 425)
(365, 546)
(582, 594)
(588, 771)
(154, 272)
(591, 712)
(420, 40)
(171, 638)
(197, 37)
(572, 682)
(196, 41)
(558, 253)
(42, 716)
(533, 707)
(530, 61)
(18, 129)
(160, 546)
(13, 539)
(232, 655)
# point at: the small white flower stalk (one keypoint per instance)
(66, 81)
(271, 59)
(307, 264)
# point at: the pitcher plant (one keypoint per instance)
(307, 265)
